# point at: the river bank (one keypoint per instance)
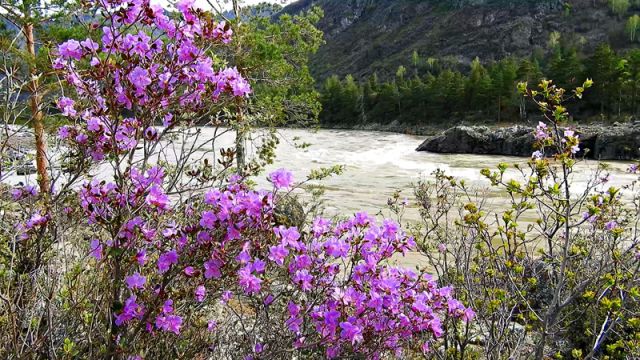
(619, 141)
(616, 141)
(392, 127)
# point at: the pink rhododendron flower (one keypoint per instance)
(66, 107)
(135, 281)
(212, 325)
(70, 49)
(541, 133)
(96, 249)
(351, 332)
(139, 77)
(228, 239)
(200, 293)
(169, 323)
(166, 260)
(131, 310)
(537, 155)
(281, 178)
(157, 198)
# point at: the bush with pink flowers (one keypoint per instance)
(150, 252)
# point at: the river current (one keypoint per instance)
(377, 164)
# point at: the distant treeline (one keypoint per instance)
(432, 90)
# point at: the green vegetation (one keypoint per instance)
(276, 59)
(619, 7)
(632, 27)
(484, 92)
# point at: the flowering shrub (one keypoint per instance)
(331, 286)
(184, 261)
(147, 64)
(554, 273)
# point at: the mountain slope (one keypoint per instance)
(367, 36)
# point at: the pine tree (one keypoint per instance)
(565, 68)
(503, 78)
(632, 81)
(529, 72)
(603, 66)
(479, 86)
(351, 100)
(331, 98)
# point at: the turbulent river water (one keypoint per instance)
(377, 164)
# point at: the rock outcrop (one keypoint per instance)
(616, 142)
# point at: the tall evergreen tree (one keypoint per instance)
(603, 67)
(479, 87)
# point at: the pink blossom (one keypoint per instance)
(66, 107)
(96, 249)
(189, 271)
(249, 282)
(212, 269)
(278, 253)
(131, 310)
(212, 325)
(226, 296)
(139, 77)
(200, 293)
(169, 323)
(90, 45)
(351, 332)
(537, 155)
(221, 34)
(141, 257)
(135, 281)
(157, 198)
(70, 49)
(166, 260)
(541, 133)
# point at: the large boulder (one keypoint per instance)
(620, 142)
(515, 140)
(617, 142)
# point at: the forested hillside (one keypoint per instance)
(407, 61)
(367, 36)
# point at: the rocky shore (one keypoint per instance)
(603, 142)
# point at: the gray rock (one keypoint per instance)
(515, 140)
(597, 141)
(25, 169)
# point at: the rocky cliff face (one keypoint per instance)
(617, 142)
(366, 36)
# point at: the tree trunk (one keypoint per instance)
(619, 103)
(241, 136)
(37, 117)
(240, 132)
